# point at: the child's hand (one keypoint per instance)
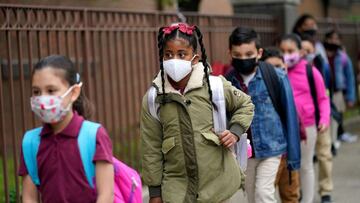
(155, 200)
(227, 139)
(322, 128)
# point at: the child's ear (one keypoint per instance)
(75, 93)
(229, 55)
(195, 60)
(260, 53)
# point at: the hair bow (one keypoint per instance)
(184, 28)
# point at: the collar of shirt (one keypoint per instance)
(71, 130)
(248, 78)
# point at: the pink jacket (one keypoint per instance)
(302, 95)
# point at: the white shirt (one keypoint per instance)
(248, 78)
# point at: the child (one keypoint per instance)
(342, 81)
(273, 56)
(183, 160)
(289, 193)
(290, 45)
(323, 142)
(274, 131)
(57, 99)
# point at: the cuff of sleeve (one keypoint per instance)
(293, 165)
(236, 130)
(155, 191)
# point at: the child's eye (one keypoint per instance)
(249, 55)
(36, 93)
(51, 91)
(182, 55)
(168, 56)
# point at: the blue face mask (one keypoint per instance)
(310, 57)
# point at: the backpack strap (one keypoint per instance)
(310, 77)
(272, 83)
(30, 148)
(87, 148)
(86, 143)
(218, 99)
(152, 105)
(219, 112)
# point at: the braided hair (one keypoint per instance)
(193, 38)
(204, 60)
(161, 56)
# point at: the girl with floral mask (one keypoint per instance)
(59, 102)
(291, 46)
(183, 160)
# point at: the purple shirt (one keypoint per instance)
(60, 169)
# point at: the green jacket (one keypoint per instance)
(182, 159)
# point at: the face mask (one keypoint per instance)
(291, 59)
(244, 66)
(331, 46)
(177, 69)
(311, 32)
(49, 107)
(310, 57)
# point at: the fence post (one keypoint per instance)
(86, 61)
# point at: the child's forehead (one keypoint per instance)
(251, 46)
(274, 59)
(288, 43)
(307, 45)
(177, 43)
(49, 76)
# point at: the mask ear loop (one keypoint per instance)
(194, 57)
(68, 91)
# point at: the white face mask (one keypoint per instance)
(177, 69)
(49, 107)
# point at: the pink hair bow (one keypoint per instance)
(184, 28)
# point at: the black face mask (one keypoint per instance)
(331, 46)
(244, 66)
(311, 32)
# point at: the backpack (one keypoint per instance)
(272, 83)
(219, 117)
(127, 182)
(310, 77)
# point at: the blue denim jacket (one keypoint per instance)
(270, 136)
(344, 75)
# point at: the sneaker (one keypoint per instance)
(326, 199)
(337, 144)
(333, 150)
(348, 138)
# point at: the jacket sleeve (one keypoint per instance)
(350, 81)
(239, 107)
(322, 98)
(151, 143)
(291, 127)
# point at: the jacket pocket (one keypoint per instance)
(168, 144)
(211, 138)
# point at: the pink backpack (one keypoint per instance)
(127, 185)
